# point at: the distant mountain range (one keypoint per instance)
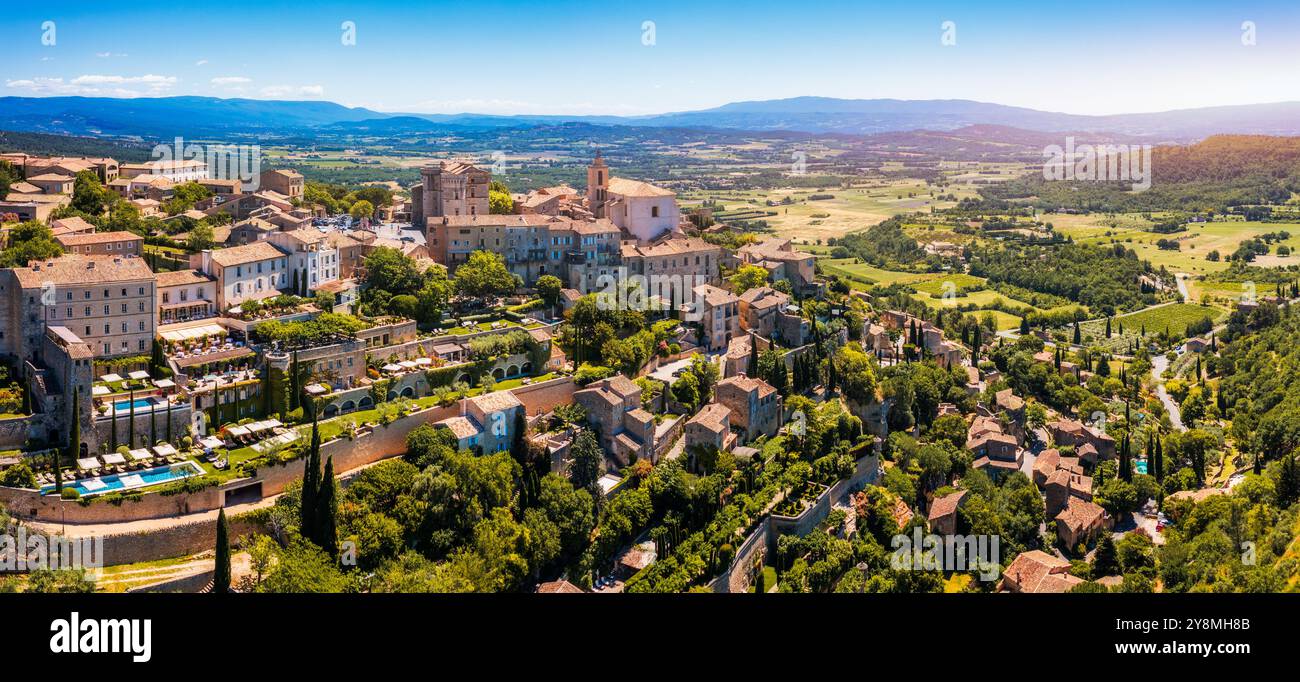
(164, 117)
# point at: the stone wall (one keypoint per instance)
(365, 448)
(13, 432)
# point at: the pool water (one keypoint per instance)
(1141, 466)
(140, 404)
(131, 479)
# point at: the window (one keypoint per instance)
(106, 310)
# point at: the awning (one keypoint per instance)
(423, 361)
(165, 383)
(88, 463)
(317, 389)
(139, 375)
(391, 368)
(165, 450)
(114, 458)
(408, 364)
(110, 378)
(140, 454)
(238, 431)
(99, 390)
(198, 332)
(211, 442)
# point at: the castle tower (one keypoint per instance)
(597, 186)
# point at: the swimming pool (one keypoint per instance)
(131, 479)
(140, 404)
(1141, 466)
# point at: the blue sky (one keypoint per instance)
(569, 57)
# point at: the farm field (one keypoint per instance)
(1175, 317)
(864, 274)
(1198, 241)
(815, 221)
(1224, 293)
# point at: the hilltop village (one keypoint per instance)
(560, 390)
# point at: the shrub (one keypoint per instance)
(69, 494)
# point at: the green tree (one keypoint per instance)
(549, 287)
(588, 461)
(221, 574)
(327, 535)
(29, 241)
(201, 237)
(484, 274)
(748, 277)
(362, 209)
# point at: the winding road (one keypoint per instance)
(1158, 365)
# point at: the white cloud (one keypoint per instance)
(201, 62)
(96, 85)
(106, 55)
(291, 91)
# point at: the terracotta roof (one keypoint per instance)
(636, 188)
(946, 505)
(461, 427)
(1080, 514)
(183, 277)
(560, 587)
(1036, 571)
(73, 224)
(712, 416)
(714, 296)
(72, 269)
(669, 247)
(766, 297)
(749, 385)
(496, 401)
(98, 238)
(248, 253)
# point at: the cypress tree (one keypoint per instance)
(1108, 327)
(1125, 463)
(294, 388)
(1024, 326)
(114, 429)
(327, 512)
(310, 484)
(1078, 335)
(169, 419)
(753, 356)
(1160, 462)
(221, 574)
(153, 425)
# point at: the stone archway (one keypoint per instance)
(408, 392)
(498, 374)
(527, 369)
(513, 371)
(331, 410)
(348, 406)
(365, 402)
